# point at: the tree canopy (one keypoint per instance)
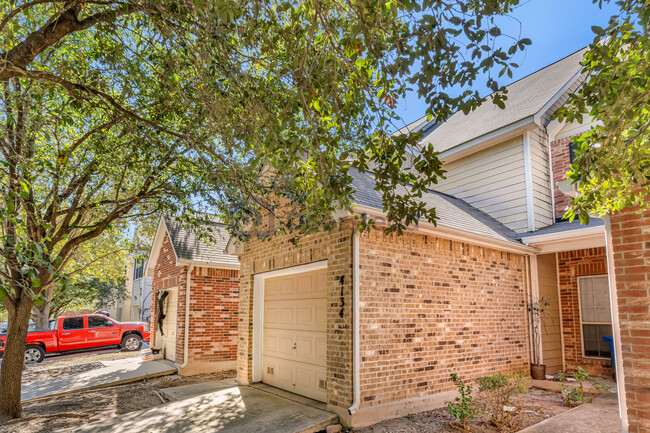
(612, 164)
(116, 110)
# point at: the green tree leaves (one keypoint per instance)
(612, 163)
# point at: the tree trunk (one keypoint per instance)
(13, 358)
(42, 316)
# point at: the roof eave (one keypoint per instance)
(161, 230)
(588, 237)
(451, 233)
(207, 264)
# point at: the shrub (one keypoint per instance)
(576, 395)
(463, 407)
(501, 397)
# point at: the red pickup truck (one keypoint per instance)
(79, 333)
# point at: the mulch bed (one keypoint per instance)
(540, 405)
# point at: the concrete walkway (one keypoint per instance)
(601, 416)
(115, 373)
(237, 409)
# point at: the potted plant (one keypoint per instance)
(536, 308)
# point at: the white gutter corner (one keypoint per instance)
(187, 319)
(356, 380)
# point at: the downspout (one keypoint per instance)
(186, 334)
(356, 381)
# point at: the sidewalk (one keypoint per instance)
(115, 373)
(601, 416)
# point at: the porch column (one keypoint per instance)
(629, 252)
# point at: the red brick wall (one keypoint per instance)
(571, 265)
(166, 275)
(631, 245)
(214, 305)
(560, 163)
(214, 302)
(430, 307)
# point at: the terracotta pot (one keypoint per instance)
(538, 372)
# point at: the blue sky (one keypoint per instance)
(557, 29)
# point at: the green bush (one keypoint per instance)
(576, 395)
(463, 407)
(502, 397)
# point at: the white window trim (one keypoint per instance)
(258, 309)
(582, 340)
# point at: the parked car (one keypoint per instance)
(30, 327)
(82, 333)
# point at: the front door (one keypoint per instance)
(73, 334)
(102, 332)
(295, 333)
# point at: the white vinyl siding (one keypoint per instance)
(541, 179)
(493, 181)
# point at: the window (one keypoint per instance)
(99, 322)
(595, 315)
(73, 323)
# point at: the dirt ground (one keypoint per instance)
(539, 406)
(71, 410)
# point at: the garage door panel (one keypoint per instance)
(297, 314)
(308, 347)
(303, 379)
(295, 324)
(299, 286)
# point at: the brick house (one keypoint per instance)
(195, 296)
(373, 325)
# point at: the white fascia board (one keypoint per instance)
(156, 245)
(487, 140)
(538, 116)
(590, 237)
(459, 235)
(206, 264)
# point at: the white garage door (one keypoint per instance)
(295, 329)
(169, 325)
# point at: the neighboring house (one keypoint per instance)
(140, 291)
(120, 310)
(373, 324)
(200, 335)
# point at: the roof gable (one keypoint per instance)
(529, 98)
(189, 248)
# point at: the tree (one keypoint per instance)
(116, 110)
(89, 292)
(93, 273)
(94, 278)
(612, 163)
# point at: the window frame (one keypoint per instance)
(112, 323)
(610, 323)
(83, 324)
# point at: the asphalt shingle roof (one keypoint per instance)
(563, 226)
(452, 212)
(526, 97)
(188, 246)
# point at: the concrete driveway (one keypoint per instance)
(114, 373)
(236, 409)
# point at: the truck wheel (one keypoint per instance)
(34, 354)
(131, 342)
